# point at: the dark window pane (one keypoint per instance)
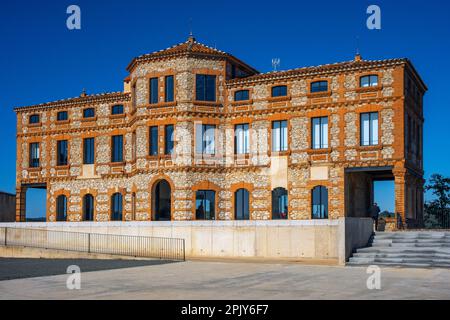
(117, 149)
(169, 89)
(205, 205)
(62, 116)
(88, 207)
(34, 155)
(205, 87)
(241, 95)
(368, 81)
(88, 150)
(116, 207)
(89, 113)
(241, 205)
(279, 91)
(154, 90)
(320, 203)
(153, 141)
(61, 208)
(280, 205)
(62, 153)
(117, 109)
(168, 148)
(319, 86)
(34, 119)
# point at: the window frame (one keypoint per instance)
(119, 205)
(320, 87)
(246, 215)
(117, 155)
(87, 116)
(204, 143)
(280, 198)
(322, 144)
(371, 129)
(324, 214)
(370, 83)
(278, 87)
(92, 198)
(246, 139)
(150, 141)
(213, 217)
(32, 119)
(237, 92)
(85, 150)
(169, 96)
(207, 80)
(62, 112)
(34, 162)
(62, 159)
(283, 147)
(169, 141)
(152, 98)
(58, 207)
(114, 110)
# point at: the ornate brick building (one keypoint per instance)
(197, 134)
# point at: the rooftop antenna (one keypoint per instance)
(358, 54)
(191, 33)
(276, 63)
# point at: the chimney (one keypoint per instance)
(127, 85)
(83, 94)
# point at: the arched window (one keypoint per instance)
(116, 207)
(205, 202)
(279, 204)
(320, 203)
(133, 206)
(61, 208)
(88, 207)
(242, 204)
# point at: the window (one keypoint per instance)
(34, 119)
(154, 91)
(117, 110)
(61, 208)
(153, 141)
(205, 139)
(116, 207)
(168, 143)
(369, 129)
(279, 91)
(242, 204)
(368, 81)
(319, 86)
(320, 203)
(34, 155)
(62, 153)
(241, 95)
(205, 86)
(62, 116)
(241, 139)
(279, 136)
(169, 89)
(133, 206)
(280, 205)
(205, 205)
(117, 149)
(89, 113)
(88, 207)
(134, 96)
(88, 150)
(320, 133)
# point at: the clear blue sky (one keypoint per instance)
(41, 60)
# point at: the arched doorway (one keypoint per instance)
(161, 203)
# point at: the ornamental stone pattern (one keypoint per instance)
(397, 97)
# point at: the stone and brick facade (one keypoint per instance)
(345, 167)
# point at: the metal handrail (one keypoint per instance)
(125, 245)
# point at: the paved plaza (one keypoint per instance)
(201, 280)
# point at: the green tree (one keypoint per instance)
(437, 211)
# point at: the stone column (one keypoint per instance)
(21, 193)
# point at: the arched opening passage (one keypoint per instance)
(161, 203)
(88, 207)
(280, 204)
(242, 204)
(61, 208)
(320, 203)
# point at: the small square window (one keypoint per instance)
(62, 116)
(89, 113)
(279, 91)
(118, 109)
(34, 119)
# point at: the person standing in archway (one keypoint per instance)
(375, 214)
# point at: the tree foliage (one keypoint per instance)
(437, 211)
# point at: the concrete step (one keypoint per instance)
(404, 250)
(402, 255)
(416, 263)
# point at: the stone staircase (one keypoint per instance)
(417, 249)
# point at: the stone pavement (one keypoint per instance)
(201, 280)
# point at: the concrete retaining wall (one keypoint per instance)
(292, 240)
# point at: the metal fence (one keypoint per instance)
(136, 246)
